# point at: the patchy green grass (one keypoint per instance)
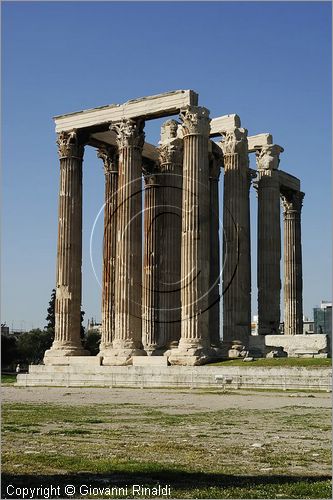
(231, 453)
(8, 379)
(305, 362)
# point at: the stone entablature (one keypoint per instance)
(147, 108)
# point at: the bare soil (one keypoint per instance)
(168, 400)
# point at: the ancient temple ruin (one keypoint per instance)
(161, 292)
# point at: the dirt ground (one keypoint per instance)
(170, 401)
(204, 443)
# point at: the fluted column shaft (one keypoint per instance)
(236, 241)
(110, 161)
(269, 240)
(195, 230)
(214, 271)
(128, 273)
(67, 340)
(170, 230)
(293, 278)
(150, 296)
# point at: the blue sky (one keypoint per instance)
(269, 62)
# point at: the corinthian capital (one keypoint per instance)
(292, 201)
(172, 152)
(268, 158)
(68, 145)
(169, 131)
(130, 133)
(170, 146)
(109, 158)
(235, 142)
(195, 120)
(151, 173)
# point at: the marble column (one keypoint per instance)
(269, 240)
(170, 230)
(293, 277)
(236, 241)
(214, 270)
(194, 345)
(152, 248)
(67, 340)
(127, 340)
(110, 160)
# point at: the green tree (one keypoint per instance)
(50, 318)
(32, 346)
(82, 329)
(9, 351)
(92, 341)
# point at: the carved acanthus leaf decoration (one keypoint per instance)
(195, 120)
(129, 133)
(235, 142)
(109, 158)
(68, 145)
(268, 157)
(151, 173)
(292, 201)
(171, 152)
(169, 130)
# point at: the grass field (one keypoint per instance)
(234, 453)
(306, 362)
(8, 379)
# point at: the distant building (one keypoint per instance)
(308, 326)
(254, 325)
(322, 318)
(93, 326)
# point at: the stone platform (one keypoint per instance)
(293, 346)
(235, 377)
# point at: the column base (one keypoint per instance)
(222, 350)
(57, 355)
(158, 351)
(172, 347)
(191, 356)
(121, 357)
(104, 350)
